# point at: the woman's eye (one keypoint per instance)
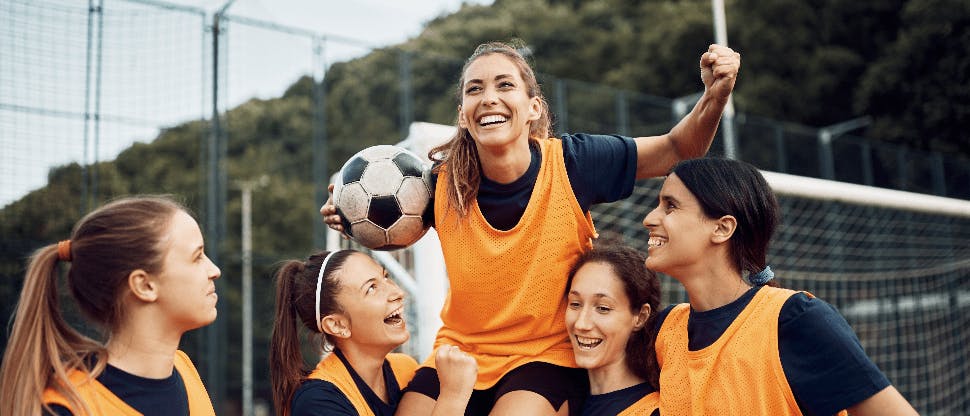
(603, 309)
(472, 89)
(573, 305)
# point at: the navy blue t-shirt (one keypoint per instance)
(318, 397)
(614, 402)
(149, 396)
(601, 168)
(825, 365)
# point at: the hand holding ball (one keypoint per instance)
(381, 195)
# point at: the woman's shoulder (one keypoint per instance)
(315, 396)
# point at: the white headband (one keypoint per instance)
(319, 285)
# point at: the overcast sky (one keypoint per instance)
(152, 72)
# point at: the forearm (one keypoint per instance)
(692, 136)
(451, 404)
(885, 403)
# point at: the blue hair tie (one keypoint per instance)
(762, 277)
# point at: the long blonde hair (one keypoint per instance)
(460, 153)
(105, 247)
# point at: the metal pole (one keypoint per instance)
(247, 294)
(87, 114)
(215, 223)
(727, 118)
(247, 188)
(320, 152)
(829, 133)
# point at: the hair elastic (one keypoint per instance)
(323, 266)
(64, 250)
(762, 277)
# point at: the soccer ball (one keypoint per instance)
(382, 195)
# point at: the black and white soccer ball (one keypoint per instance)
(383, 195)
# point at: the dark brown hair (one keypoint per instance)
(460, 152)
(296, 292)
(731, 187)
(642, 287)
(105, 247)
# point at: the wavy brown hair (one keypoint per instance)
(642, 287)
(106, 246)
(460, 153)
(732, 187)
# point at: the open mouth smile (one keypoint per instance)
(585, 343)
(492, 120)
(395, 318)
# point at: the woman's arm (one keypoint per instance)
(888, 402)
(692, 136)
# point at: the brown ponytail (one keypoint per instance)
(106, 246)
(296, 285)
(43, 348)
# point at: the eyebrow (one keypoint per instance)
(668, 198)
(595, 295)
(479, 81)
(367, 282)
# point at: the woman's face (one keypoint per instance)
(598, 317)
(680, 233)
(187, 290)
(496, 107)
(372, 303)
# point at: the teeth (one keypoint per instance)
(395, 318)
(656, 242)
(588, 343)
(491, 120)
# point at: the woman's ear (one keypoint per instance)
(723, 229)
(535, 109)
(461, 119)
(336, 325)
(143, 286)
(642, 317)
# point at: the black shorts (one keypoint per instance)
(557, 384)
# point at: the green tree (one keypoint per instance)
(918, 90)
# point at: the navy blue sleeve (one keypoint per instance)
(826, 367)
(662, 317)
(318, 397)
(601, 168)
(58, 410)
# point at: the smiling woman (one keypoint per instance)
(612, 303)
(138, 269)
(742, 346)
(358, 311)
(511, 210)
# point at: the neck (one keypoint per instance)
(368, 363)
(612, 377)
(143, 350)
(711, 286)
(705, 295)
(505, 164)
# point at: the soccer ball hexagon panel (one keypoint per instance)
(381, 194)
